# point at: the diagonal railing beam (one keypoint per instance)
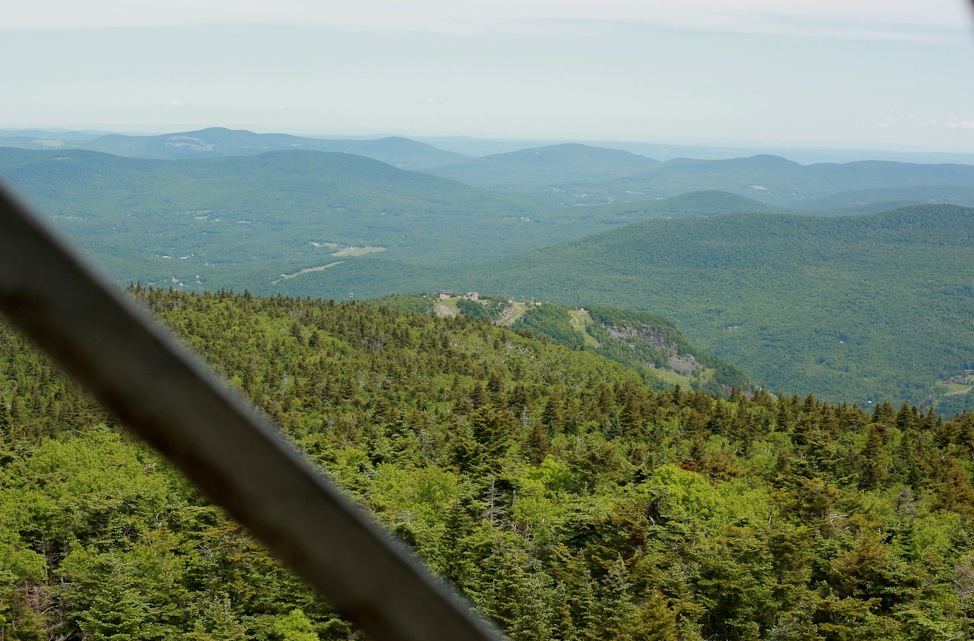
(164, 394)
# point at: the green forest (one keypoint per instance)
(647, 343)
(561, 493)
(853, 308)
(847, 280)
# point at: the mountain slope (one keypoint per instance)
(644, 342)
(561, 494)
(883, 199)
(853, 308)
(265, 222)
(235, 218)
(695, 203)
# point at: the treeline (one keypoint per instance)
(566, 498)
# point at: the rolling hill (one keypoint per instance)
(785, 183)
(883, 199)
(264, 221)
(244, 221)
(558, 172)
(579, 174)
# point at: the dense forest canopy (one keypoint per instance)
(563, 495)
(855, 308)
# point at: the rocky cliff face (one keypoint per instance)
(682, 364)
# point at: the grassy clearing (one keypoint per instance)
(512, 314)
(358, 251)
(447, 307)
(672, 378)
(306, 271)
(957, 388)
(578, 319)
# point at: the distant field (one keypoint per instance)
(957, 388)
(307, 270)
(358, 251)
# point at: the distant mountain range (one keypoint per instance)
(784, 183)
(576, 174)
(469, 147)
(215, 142)
(570, 173)
(849, 307)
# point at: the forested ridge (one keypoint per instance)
(644, 342)
(565, 497)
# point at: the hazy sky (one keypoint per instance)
(868, 73)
